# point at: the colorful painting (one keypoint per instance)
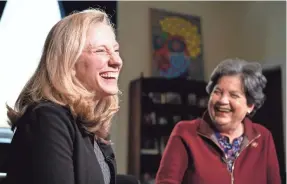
(176, 45)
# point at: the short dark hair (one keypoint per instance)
(252, 78)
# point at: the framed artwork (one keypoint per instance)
(177, 49)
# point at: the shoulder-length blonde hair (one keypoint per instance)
(54, 79)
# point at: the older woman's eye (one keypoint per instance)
(216, 92)
(234, 96)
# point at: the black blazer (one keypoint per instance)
(51, 147)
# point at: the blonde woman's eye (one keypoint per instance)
(100, 50)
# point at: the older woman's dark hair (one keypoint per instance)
(253, 80)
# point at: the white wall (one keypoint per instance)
(264, 39)
(264, 31)
(134, 38)
(252, 30)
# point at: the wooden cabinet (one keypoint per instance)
(156, 105)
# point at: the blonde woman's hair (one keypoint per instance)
(54, 79)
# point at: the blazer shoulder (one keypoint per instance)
(48, 115)
(49, 109)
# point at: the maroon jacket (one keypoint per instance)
(193, 156)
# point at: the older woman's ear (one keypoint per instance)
(251, 107)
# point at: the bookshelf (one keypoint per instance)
(155, 106)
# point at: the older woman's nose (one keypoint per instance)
(224, 99)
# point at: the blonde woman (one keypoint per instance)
(63, 115)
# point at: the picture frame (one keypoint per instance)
(176, 45)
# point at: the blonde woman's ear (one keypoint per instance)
(74, 72)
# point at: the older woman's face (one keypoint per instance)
(100, 63)
(227, 103)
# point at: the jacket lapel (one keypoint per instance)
(206, 128)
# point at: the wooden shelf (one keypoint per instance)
(151, 124)
(153, 163)
(164, 109)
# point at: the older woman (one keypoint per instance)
(63, 115)
(224, 146)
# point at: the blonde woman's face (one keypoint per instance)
(100, 63)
